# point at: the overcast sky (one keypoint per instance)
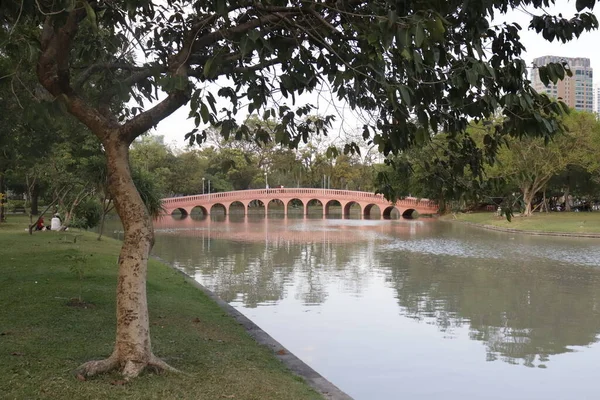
(175, 127)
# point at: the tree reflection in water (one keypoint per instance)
(523, 308)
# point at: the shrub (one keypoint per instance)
(87, 214)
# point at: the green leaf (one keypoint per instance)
(406, 54)
(436, 29)
(221, 7)
(421, 136)
(471, 77)
(204, 112)
(211, 102)
(402, 37)
(581, 4)
(392, 18)
(332, 152)
(543, 74)
(405, 95)
(91, 15)
(419, 35)
(208, 68)
(245, 46)
(254, 35)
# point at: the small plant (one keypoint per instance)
(77, 263)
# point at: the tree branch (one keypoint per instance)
(149, 118)
(53, 72)
(92, 69)
(214, 37)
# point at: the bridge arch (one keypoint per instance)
(390, 212)
(368, 210)
(349, 205)
(276, 205)
(198, 211)
(237, 208)
(219, 209)
(179, 212)
(314, 207)
(410, 213)
(295, 204)
(257, 206)
(332, 203)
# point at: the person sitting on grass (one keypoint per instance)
(39, 225)
(55, 223)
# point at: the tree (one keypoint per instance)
(394, 60)
(530, 163)
(232, 169)
(438, 171)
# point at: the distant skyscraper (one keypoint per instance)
(576, 91)
(598, 100)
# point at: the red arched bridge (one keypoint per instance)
(298, 199)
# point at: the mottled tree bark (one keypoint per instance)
(133, 333)
(528, 196)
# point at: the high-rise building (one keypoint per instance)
(576, 91)
(597, 100)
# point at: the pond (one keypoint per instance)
(422, 309)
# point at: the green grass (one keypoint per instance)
(42, 339)
(560, 222)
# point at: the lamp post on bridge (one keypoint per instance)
(202, 185)
(266, 181)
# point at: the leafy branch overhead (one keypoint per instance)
(416, 67)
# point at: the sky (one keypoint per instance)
(174, 128)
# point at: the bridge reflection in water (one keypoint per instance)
(299, 200)
(256, 229)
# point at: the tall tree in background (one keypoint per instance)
(530, 163)
(394, 60)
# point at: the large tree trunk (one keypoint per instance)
(545, 202)
(133, 332)
(566, 196)
(132, 351)
(528, 196)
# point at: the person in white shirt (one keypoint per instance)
(55, 223)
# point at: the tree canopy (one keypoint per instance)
(526, 166)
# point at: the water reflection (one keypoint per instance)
(525, 298)
(522, 312)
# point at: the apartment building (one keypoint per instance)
(576, 91)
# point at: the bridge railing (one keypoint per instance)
(292, 193)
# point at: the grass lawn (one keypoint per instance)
(42, 339)
(562, 222)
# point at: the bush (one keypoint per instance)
(87, 214)
(16, 205)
